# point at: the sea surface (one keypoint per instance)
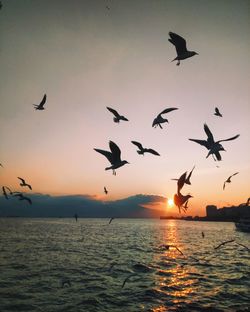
(91, 265)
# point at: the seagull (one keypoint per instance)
(111, 219)
(180, 200)
(23, 183)
(181, 47)
(217, 112)
(223, 243)
(114, 157)
(213, 147)
(117, 117)
(167, 247)
(143, 150)
(159, 119)
(229, 179)
(40, 106)
(183, 179)
(21, 197)
(105, 190)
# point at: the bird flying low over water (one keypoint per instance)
(23, 183)
(41, 105)
(229, 179)
(111, 219)
(214, 147)
(159, 119)
(143, 150)
(114, 157)
(217, 112)
(181, 47)
(22, 197)
(105, 190)
(117, 116)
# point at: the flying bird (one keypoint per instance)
(5, 193)
(114, 157)
(181, 47)
(41, 105)
(159, 119)
(105, 190)
(23, 183)
(143, 150)
(229, 179)
(180, 201)
(224, 243)
(184, 179)
(214, 147)
(217, 112)
(22, 197)
(117, 116)
(111, 219)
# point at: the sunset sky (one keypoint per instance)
(86, 57)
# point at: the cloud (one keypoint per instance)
(84, 205)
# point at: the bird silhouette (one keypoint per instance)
(184, 178)
(181, 47)
(105, 190)
(22, 197)
(214, 147)
(111, 219)
(114, 157)
(187, 181)
(117, 116)
(41, 105)
(217, 112)
(143, 150)
(23, 183)
(5, 193)
(159, 119)
(180, 201)
(229, 180)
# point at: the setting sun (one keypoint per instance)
(170, 202)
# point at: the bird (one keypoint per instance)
(105, 190)
(214, 147)
(117, 116)
(202, 234)
(41, 105)
(143, 150)
(5, 193)
(217, 112)
(167, 247)
(180, 200)
(22, 197)
(228, 180)
(114, 157)
(187, 181)
(111, 219)
(184, 179)
(76, 216)
(159, 119)
(224, 243)
(23, 183)
(181, 48)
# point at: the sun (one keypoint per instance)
(170, 202)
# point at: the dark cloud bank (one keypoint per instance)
(86, 206)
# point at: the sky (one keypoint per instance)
(86, 57)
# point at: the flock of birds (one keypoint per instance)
(113, 155)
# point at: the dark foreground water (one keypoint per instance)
(63, 265)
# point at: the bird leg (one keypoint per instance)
(114, 173)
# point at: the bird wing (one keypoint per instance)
(181, 182)
(167, 110)
(230, 139)
(107, 154)
(137, 144)
(113, 111)
(150, 150)
(43, 101)
(22, 180)
(179, 43)
(217, 111)
(190, 173)
(116, 152)
(155, 122)
(201, 142)
(224, 185)
(218, 156)
(234, 174)
(210, 138)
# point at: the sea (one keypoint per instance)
(129, 265)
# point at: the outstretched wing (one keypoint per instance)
(179, 43)
(230, 139)
(234, 174)
(22, 180)
(209, 134)
(150, 150)
(167, 110)
(137, 144)
(116, 152)
(107, 154)
(201, 142)
(43, 101)
(113, 111)
(189, 176)
(181, 182)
